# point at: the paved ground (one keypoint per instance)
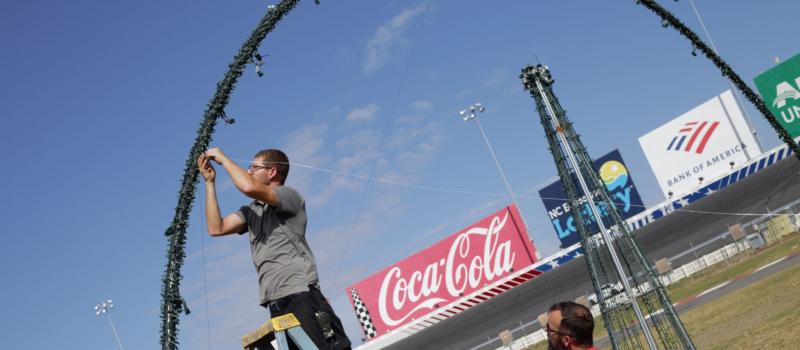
(771, 188)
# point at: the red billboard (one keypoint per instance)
(477, 256)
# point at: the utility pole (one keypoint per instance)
(612, 256)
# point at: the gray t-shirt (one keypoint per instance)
(282, 257)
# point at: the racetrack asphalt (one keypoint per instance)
(669, 236)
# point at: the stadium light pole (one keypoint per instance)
(102, 309)
(471, 113)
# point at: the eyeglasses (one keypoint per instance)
(549, 330)
(253, 168)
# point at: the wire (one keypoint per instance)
(374, 166)
(489, 194)
(203, 249)
(387, 181)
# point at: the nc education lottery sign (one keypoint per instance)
(780, 87)
(701, 143)
(618, 181)
(462, 263)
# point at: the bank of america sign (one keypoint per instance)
(703, 143)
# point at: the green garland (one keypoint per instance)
(670, 20)
(172, 303)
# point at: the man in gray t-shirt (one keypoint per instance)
(283, 260)
(276, 225)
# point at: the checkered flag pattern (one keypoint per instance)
(363, 315)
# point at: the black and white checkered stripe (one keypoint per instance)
(363, 316)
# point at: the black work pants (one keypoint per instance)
(304, 305)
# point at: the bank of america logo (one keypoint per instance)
(697, 134)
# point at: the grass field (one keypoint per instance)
(765, 314)
(724, 271)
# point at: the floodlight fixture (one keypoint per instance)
(102, 309)
(470, 112)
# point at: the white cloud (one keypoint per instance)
(306, 146)
(366, 113)
(499, 78)
(422, 105)
(495, 78)
(306, 143)
(451, 224)
(336, 238)
(356, 152)
(378, 49)
(414, 144)
(412, 119)
(462, 94)
(231, 288)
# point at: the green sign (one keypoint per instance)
(780, 87)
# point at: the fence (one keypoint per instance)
(783, 228)
(766, 229)
(705, 261)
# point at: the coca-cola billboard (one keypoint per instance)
(456, 266)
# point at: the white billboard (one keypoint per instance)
(699, 146)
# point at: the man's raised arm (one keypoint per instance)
(242, 179)
(217, 226)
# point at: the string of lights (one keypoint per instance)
(172, 303)
(669, 20)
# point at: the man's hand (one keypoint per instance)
(216, 155)
(204, 165)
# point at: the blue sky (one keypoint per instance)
(102, 101)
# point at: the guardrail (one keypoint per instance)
(705, 261)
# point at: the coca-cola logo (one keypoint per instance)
(464, 270)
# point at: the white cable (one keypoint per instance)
(203, 249)
(442, 189)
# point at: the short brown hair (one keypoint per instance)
(275, 158)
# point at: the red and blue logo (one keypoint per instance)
(698, 134)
